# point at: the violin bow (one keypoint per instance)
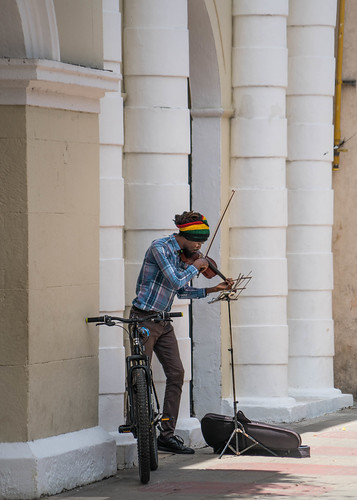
(219, 222)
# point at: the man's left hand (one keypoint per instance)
(225, 285)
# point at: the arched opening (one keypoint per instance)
(28, 29)
(12, 42)
(206, 188)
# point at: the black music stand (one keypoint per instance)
(228, 295)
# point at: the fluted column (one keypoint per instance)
(310, 113)
(157, 142)
(111, 348)
(259, 209)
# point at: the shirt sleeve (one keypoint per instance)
(177, 278)
(189, 292)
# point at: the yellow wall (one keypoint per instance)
(13, 274)
(49, 211)
(345, 228)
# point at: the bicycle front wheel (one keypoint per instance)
(143, 424)
(154, 457)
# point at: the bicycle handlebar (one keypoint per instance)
(99, 319)
(158, 316)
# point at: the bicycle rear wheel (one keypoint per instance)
(143, 424)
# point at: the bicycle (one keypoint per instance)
(143, 410)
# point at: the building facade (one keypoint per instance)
(115, 116)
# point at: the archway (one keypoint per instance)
(206, 189)
(28, 29)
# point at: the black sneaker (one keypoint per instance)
(173, 444)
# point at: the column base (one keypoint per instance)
(290, 409)
(190, 431)
(126, 450)
(48, 466)
(188, 428)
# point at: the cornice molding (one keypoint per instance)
(53, 84)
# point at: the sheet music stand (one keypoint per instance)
(228, 295)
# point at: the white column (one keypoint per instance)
(259, 208)
(310, 138)
(157, 144)
(111, 349)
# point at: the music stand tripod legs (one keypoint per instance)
(238, 427)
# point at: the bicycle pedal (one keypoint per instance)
(122, 429)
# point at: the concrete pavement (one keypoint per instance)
(330, 472)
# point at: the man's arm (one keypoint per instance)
(225, 285)
(189, 292)
(177, 277)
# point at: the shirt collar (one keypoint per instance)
(176, 246)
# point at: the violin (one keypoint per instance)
(211, 270)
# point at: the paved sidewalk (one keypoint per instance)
(330, 472)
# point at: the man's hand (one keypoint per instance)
(201, 264)
(225, 285)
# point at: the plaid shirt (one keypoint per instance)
(163, 276)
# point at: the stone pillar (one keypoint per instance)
(259, 208)
(49, 279)
(111, 348)
(310, 138)
(157, 144)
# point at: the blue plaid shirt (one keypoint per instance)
(163, 276)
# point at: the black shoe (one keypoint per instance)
(173, 444)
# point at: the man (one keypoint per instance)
(164, 276)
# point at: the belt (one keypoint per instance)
(141, 311)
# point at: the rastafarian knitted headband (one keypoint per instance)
(195, 231)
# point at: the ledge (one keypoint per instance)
(48, 466)
(289, 410)
(53, 84)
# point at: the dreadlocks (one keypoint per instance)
(186, 217)
(193, 226)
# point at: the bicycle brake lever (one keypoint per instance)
(156, 320)
(162, 318)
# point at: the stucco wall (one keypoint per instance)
(50, 205)
(80, 31)
(13, 274)
(345, 228)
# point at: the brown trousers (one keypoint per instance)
(162, 341)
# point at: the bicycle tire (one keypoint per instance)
(142, 419)
(154, 455)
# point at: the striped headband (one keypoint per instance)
(195, 231)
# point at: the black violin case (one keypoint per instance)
(217, 431)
